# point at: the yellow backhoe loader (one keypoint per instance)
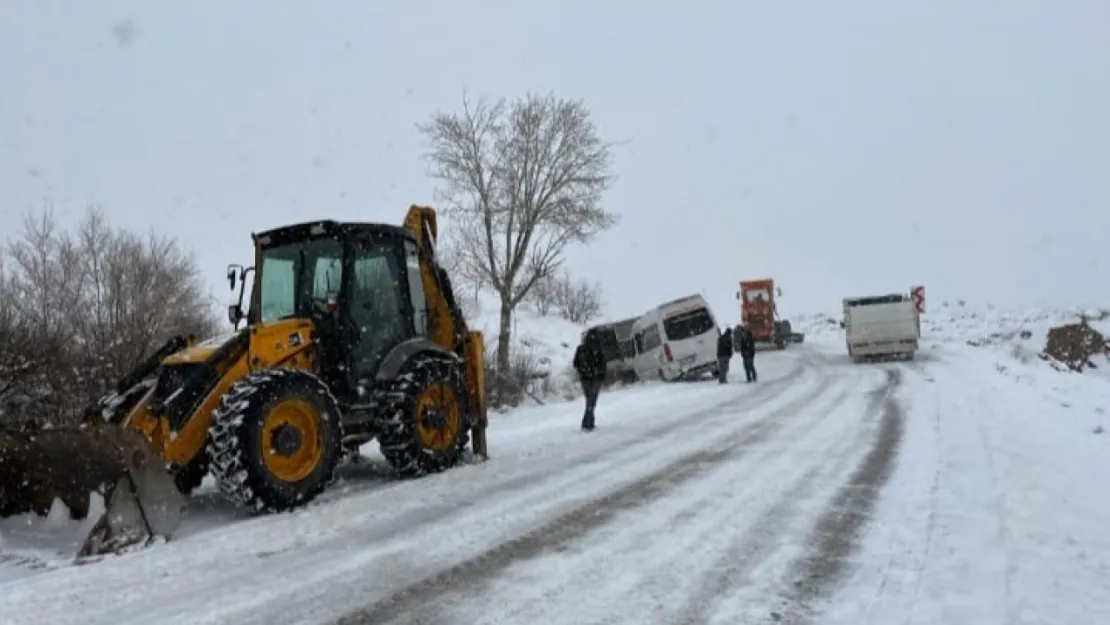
(352, 334)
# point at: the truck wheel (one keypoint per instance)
(424, 426)
(275, 440)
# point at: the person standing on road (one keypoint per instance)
(724, 355)
(589, 362)
(747, 354)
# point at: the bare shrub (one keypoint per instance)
(82, 308)
(577, 301)
(528, 376)
(543, 298)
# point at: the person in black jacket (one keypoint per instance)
(724, 355)
(747, 353)
(589, 362)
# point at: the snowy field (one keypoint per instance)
(967, 487)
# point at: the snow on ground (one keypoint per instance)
(998, 513)
(286, 568)
(965, 487)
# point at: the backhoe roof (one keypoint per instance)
(322, 228)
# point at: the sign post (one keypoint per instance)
(917, 293)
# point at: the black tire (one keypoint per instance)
(432, 379)
(235, 440)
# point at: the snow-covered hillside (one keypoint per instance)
(544, 343)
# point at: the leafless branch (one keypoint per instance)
(78, 310)
(522, 181)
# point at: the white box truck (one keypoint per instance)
(881, 326)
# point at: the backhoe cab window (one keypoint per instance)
(297, 278)
(379, 304)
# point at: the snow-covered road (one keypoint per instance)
(668, 543)
(998, 513)
(827, 493)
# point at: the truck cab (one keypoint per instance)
(759, 314)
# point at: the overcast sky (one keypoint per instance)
(842, 148)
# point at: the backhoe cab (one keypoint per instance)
(352, 333)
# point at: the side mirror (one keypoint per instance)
(738, 295)
(841, 325)
(233, 272)
(778, 292)
(234, 314)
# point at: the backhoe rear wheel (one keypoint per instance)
(275, 440)
(425, 426)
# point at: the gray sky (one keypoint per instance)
(842, 148)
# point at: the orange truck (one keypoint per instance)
(759, 314)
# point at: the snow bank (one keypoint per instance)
(820, 326)
(1016, 338)
(546, 342)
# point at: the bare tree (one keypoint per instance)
(521, 182)
(577, 301)
(580, 301)
(544, 297)
(466, 283)
(16, 367)
(78, 310)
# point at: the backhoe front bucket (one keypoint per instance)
(144, 506)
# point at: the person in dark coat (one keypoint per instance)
(724, 355)
(747, 354)
(589, 362)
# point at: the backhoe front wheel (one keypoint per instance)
(424, 424)
(275, 440)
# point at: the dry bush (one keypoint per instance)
(80, 309)
(577, 301)
(529, 376)
(543, 297)
(1075, 344)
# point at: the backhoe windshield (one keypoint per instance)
(296, 278)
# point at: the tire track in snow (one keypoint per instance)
(920, 556)
(837, 533)
(643, 439)
(584, 468)
(363, 556)
(734, 567)
(574, 524)
(659, 551)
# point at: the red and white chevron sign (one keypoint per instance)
(918, 296)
